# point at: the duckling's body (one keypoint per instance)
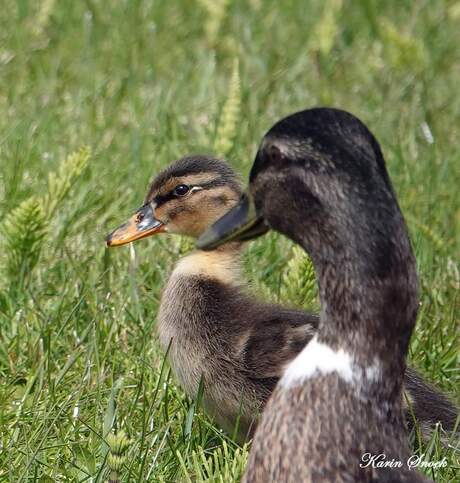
(320, 178)
(237, 345)
(210, 323)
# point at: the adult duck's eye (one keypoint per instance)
(181, 190)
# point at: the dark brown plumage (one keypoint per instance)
(320, 178)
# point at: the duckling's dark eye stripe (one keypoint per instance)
(162, 199)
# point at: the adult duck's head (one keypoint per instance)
(185, 198)
(319, 177)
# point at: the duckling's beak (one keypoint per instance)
(241, 223)
(142, 224)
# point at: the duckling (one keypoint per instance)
(319, 178)
(219, 330)
(212, 329)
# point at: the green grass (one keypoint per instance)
(142, 82)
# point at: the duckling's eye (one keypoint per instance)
(181, 190)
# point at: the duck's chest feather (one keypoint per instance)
(201, 327)
(324, 431)
(190, 326)
(193, 324)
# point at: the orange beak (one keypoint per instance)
(141, 225)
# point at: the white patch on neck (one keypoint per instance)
(318, 359)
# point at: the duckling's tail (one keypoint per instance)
(430, 408)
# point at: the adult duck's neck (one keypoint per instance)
(369, 296)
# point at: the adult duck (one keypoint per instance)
(319, 177)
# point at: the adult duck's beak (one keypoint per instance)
(241, 223)
(142, 224)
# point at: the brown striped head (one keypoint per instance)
(186, 198)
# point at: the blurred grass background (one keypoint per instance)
(141, 83)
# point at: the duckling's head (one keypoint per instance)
(319, 177)
(185, 198)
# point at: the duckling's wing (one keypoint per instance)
(275, 339)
